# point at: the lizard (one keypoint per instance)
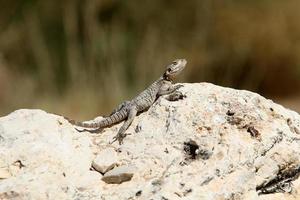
(129, 109)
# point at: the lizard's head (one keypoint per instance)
(174, 68)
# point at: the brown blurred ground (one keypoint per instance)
(81, 58)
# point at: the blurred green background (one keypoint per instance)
(80, 58)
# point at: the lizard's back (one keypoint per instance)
(147, 97)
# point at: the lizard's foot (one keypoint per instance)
(175, 96)
(119, 137)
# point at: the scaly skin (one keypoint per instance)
(129, 109)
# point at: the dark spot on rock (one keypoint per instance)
(207, 180)
(230, 113)
(190, 149)
(187, 191)
(201, 128)
(19, 164)
(182, 163)
(272, 109)
(218, 173)
(1, 138)
(9, 195)
(208, 128)
(65, 189)
(289, 121)
(293, 128)
(138, 193)
(138, 128)
(253, 132)
(166, 150)
(81, 189)
(64, 174)
(203, 154)
(179, 195)
(193, 151)
(234, 120)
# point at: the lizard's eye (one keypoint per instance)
(174, 63)
(169, 69)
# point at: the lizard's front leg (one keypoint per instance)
(121, 133)
(172, 91)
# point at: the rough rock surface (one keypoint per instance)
(217, 143)
(119, 174)
(105, 160)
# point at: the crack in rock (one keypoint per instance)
(281, 183)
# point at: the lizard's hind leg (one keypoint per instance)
(121, 133)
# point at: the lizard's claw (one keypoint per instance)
(175, 96)
(119, 137)
(114, 139)
(178, 86)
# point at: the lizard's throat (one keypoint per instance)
(167, 78)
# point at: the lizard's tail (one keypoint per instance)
(107, 121)
(83, 124)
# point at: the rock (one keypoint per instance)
(119, 174)
(4, 173)
(42, 151)
(215, 143)
(105, 160)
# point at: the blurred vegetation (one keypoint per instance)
(82, 57)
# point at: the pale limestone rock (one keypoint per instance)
(4, 173)
(46, 156)
(105, 160)
(119, 174)
(217, 143)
